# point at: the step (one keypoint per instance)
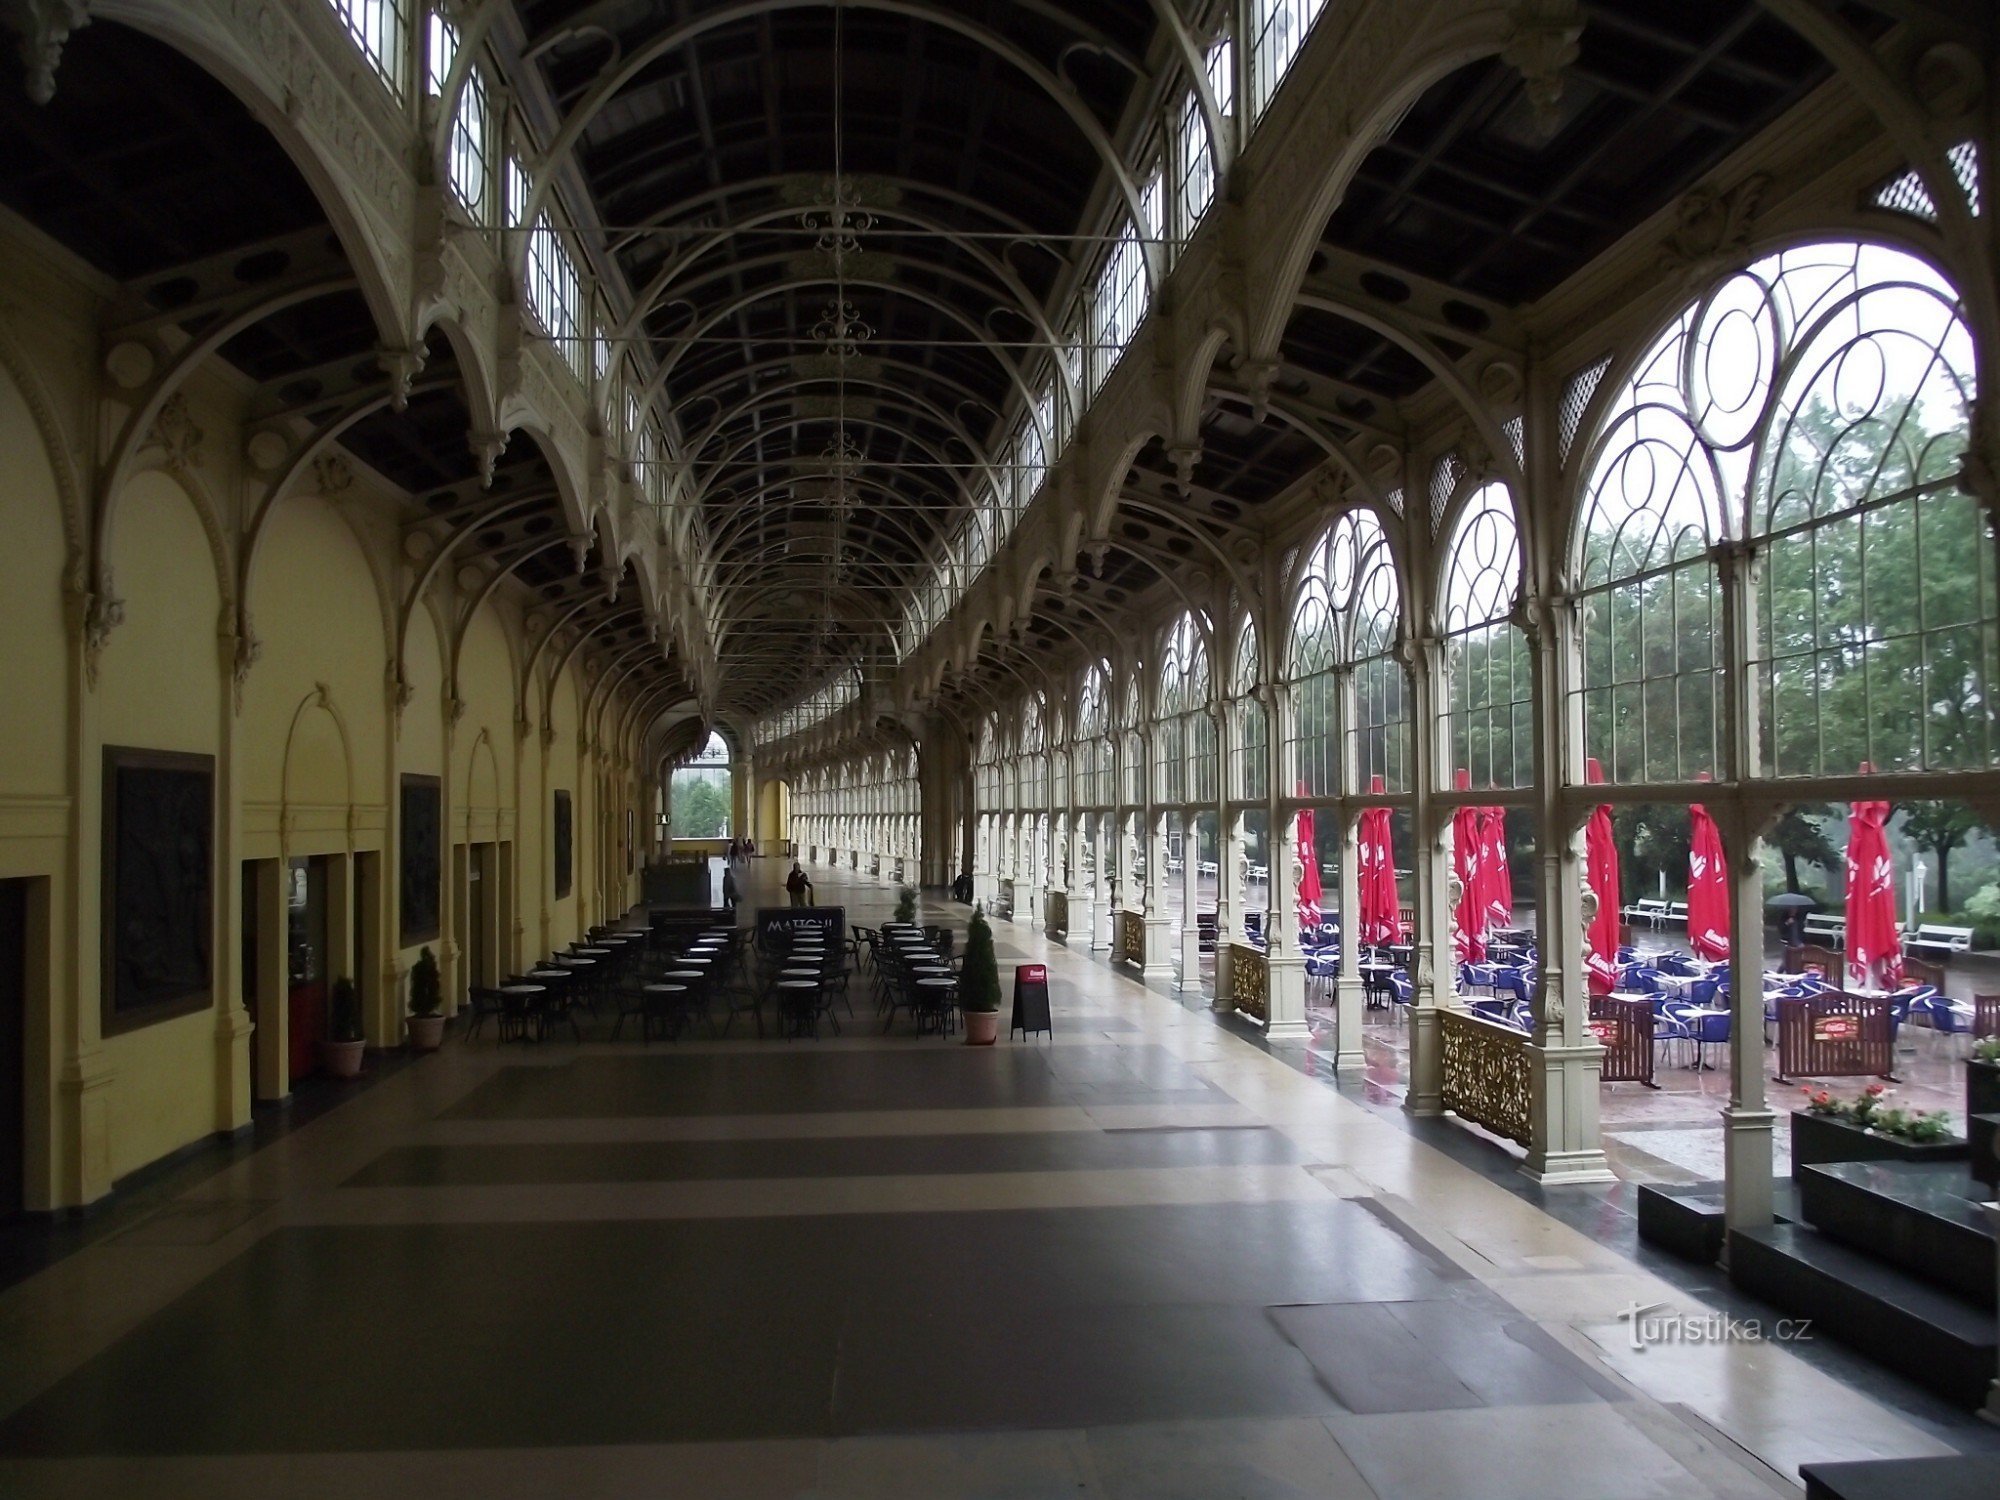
(1940, 1341)
(1983, 1131)
(1687, 1218)
(1919, 1216)
(1958, 1476)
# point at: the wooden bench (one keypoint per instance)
(1678, 912)
(1827, 928)
(1939, 941)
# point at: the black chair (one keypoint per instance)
(482, 1003)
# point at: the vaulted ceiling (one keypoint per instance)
(845, 225)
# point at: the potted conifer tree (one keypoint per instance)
(906, 905)
(979, 984)
(426, 1019)
(340, 1053)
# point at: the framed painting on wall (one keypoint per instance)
(561, 838)
(421, 859)
(158, 906)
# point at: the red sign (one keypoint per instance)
(1030, 974)
(1836, 1028)
(1606, 1032)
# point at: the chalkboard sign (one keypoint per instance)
(1031, 1001)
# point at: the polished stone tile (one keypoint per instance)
(969, 1465)
(1513, 1453)
(1281, 1459)
(855, 1156)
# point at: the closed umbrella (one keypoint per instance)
(1874, 945)
(1309, 886)
(1381, 906)
(1495, 869)
(1600, 862)
(1708, 888)
(1468, 838)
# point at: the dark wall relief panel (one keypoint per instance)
(159, 848)
(422, 858)
(562, 841)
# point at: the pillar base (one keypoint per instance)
(1082, 922)
(1425, 1098)
(232, 1069)
(1746, 1167)
(1160, 963)
(1567, 1144)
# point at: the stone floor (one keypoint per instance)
(1148, 1258)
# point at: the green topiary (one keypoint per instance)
(426, 989)
(343, 1013)
(906, 904)
(979, 981)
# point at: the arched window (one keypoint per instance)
(1130, 721)
(703, 793)
(1371, 602)
(1489, 691)
(1310, 657)
(1093, 726)
(1033, 763)
(1253, 733)
(1184, 735)
(1818, 403)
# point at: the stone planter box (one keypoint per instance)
(1817, 1139)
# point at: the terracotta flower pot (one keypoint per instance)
(426, 1033)
(341, 1059)
(982, 1028)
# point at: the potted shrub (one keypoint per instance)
(426, 1019)
(906, 905)
(340, 1053)
(1869, 1129)
(979, 984)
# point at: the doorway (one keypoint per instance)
(13, 1047)
(306, 961)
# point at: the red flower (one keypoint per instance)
(1876, 1090)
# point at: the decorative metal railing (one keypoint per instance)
(1132, 937)
(1249, 980)
(1486, 1073)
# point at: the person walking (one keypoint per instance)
(730, 894)
(796, 884)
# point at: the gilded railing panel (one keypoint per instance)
(1249, 980)
(1486, 1073)
(1132, 937)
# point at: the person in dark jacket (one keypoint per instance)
(797, 886)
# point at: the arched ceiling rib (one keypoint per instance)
(845, 228)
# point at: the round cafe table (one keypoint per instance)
(798, 1000)
(592, 952)
(666, 1004)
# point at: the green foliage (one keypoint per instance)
(1871, 644)
(343, 1012)
(700, 809)
(426, 988)
(1986, 1049)
(906, 903)
(1800, 838)
(979, 980)
(1939, 827)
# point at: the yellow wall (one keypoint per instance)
(309, 747)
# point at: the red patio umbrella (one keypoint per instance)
(1874, 945)
(1708, 888)
(1468, 845)
(1600, 862)
(1495, 870)
(1309, 886)
(1381, 905)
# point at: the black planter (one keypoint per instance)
(1982, 1089)
(1821, 1138)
